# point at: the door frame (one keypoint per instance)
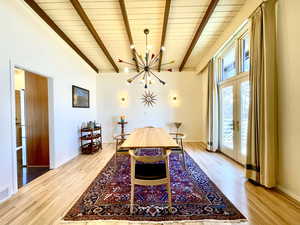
(52, 164)
(227, 151)
(236, 82)
(239, 156)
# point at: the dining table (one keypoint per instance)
(149, 138)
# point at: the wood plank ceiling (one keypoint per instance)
(185, 16)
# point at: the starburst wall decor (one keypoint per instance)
(149, 98)
(146, 64)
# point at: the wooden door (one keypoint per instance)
(36, 114)
(18, 119)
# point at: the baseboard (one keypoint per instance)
(57, 165)
(5, 199)
(289, 194)
(4, 194)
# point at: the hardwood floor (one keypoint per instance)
(46, 199)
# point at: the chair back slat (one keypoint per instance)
(150, 159)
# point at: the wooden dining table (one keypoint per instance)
(149, 137)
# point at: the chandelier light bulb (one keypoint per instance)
(149, 47)
(145, 64)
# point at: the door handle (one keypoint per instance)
(238, 125)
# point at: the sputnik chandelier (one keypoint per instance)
(146, 64)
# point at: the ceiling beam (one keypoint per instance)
(94, 33)
(164, 31)
(199, 31)
(38, 10)
(126, 22)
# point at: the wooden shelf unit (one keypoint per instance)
(91, 140)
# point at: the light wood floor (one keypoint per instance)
(45, 200)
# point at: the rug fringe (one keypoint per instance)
(103, 222)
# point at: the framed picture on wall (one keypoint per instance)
(80, 97)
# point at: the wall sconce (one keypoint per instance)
(174, 98)
(123, 99)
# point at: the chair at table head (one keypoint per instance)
(178, 137)
(150, 172)
(119, 140)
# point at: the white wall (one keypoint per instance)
(187, 108)
(289, 96)
(29, 43)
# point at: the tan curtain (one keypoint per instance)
(262, 130)
(203, 101)
(212, 110)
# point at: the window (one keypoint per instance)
(228, 63)
(245, 54)
(234, 58)
(233, 63)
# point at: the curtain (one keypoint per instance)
(203, 101)
(212, 110)
(262, 128)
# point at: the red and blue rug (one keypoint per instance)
(194, 196)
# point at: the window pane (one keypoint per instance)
(228, 64)
(245, 54)
(227, 117)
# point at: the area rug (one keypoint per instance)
(194, 196)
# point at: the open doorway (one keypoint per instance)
(32, 125)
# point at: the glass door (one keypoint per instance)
(227, 119)
(234, 107)
(242, 120)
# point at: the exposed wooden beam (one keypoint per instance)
(94, 33)
(58, 31)
(164, 31)
(127, 26)
(199, 31)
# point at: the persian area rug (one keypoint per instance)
(194, 196)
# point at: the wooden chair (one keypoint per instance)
(119, 141)
(178, 137)
(149, 174)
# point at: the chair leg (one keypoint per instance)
(132, 199)
(169, 196)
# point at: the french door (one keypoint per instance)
(234, 106)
